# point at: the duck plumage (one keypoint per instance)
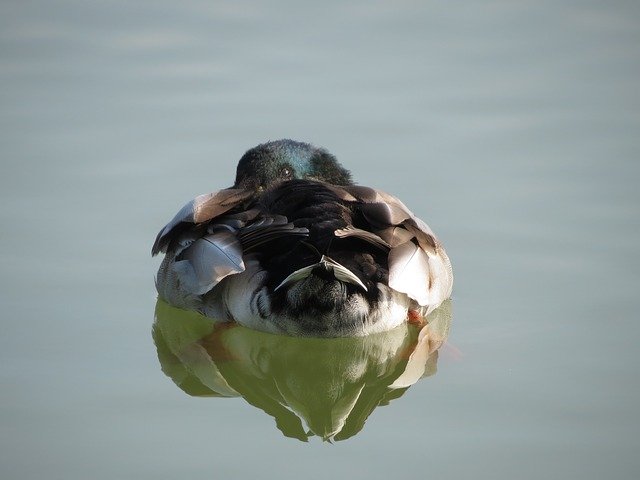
(295, 247)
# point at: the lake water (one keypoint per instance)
(512, 128)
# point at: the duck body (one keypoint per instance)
(295, 247)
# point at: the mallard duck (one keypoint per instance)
(295, 247)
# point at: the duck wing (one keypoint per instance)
(221, 252)
(208, 239)
(199, 210)
(418, 263)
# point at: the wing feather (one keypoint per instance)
(267, 230)
(212, 258)
(409, 271)
(395, 236)
(418, 264)
(365, 235)
(201, 209)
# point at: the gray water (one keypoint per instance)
(512, 128)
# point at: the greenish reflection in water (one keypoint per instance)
(332, 385)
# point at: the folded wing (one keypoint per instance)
(418, 263)
(207, 240)
(199, 210)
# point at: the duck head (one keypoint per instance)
(281, 160)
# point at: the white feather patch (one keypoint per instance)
(409, 271)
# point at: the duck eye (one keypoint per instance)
(286, 172)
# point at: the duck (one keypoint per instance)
(296, 247)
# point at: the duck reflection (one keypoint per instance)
(332, 385)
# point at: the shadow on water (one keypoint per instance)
(332, 385)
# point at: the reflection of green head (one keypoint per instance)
(332, 384)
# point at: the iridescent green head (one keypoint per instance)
(282, 160)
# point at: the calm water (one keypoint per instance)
(511, 127)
